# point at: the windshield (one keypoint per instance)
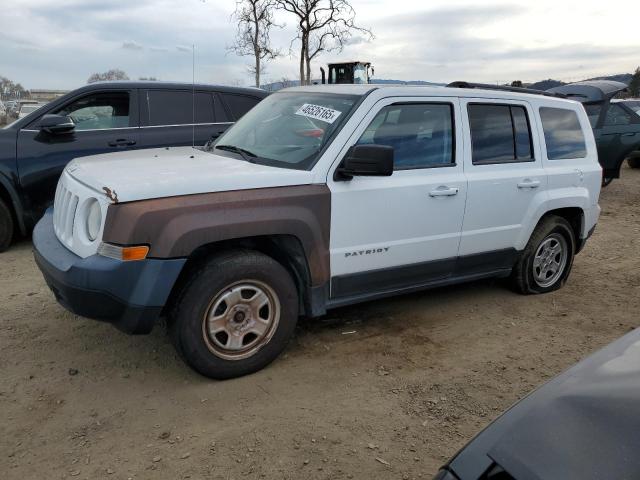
(287, 130)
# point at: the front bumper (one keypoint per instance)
(130, 295)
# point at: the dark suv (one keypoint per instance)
(100, 118)
(616, 126)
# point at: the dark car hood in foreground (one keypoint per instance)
(582, 425)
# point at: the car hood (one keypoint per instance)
(583, 424)
(167, 172)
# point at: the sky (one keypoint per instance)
(58, 44)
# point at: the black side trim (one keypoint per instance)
(365, 297)
(354, 288)
(390, 278)
(484, 262)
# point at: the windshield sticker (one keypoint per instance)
(323, 114)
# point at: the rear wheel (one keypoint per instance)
(634, 162)
(235, 315)
(546, 261)
(6, 226)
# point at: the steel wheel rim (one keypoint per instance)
(241, 319)
(550, 260)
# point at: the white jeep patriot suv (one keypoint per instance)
(320, 197)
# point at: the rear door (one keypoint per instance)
(171, 118)
(106, 121)
(397, 232)
(617, 138)
(506, 179)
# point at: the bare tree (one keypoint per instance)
(113, 74)
(253, 38)
(323, 26)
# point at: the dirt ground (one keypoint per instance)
(388, 389)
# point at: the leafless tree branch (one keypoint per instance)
(323, 26)
(253, 37)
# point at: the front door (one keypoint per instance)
(105, 122)
(394, 233)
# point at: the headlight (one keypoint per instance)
(94, 220)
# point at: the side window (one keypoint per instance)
(178, 107)
(562, 134)
(239, 104)
(99, 111)
(616, 115)
(499, 134)
(593, 112)
(420, 134)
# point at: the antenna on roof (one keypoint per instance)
(193, 96)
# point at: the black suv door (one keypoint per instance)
(616, 138)
(106, 121)
(180, 117)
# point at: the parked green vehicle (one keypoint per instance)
(616, 125)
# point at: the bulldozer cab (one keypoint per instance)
(349, 72)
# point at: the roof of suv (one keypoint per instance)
(170, 85)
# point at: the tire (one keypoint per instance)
(6, 226)
(634, 162)
(234, 315)
(527, 276)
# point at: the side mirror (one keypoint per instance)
(366, 160)
(56, 124)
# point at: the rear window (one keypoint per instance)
(167, 107)
(562, 134)
(239, 104)
(499, 134)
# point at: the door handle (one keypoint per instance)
(122, 142)
(444, 191)
(629, 134)
(529, 184)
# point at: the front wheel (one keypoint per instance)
(235, 315)
(546, 261)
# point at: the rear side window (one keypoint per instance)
(175, 107)
(239, 104)
(421, 134)
(562, 134)
(499, 134)
(616, 115)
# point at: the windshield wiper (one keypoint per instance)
(245, 154)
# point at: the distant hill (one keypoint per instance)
(622, 77)
(546, 84)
